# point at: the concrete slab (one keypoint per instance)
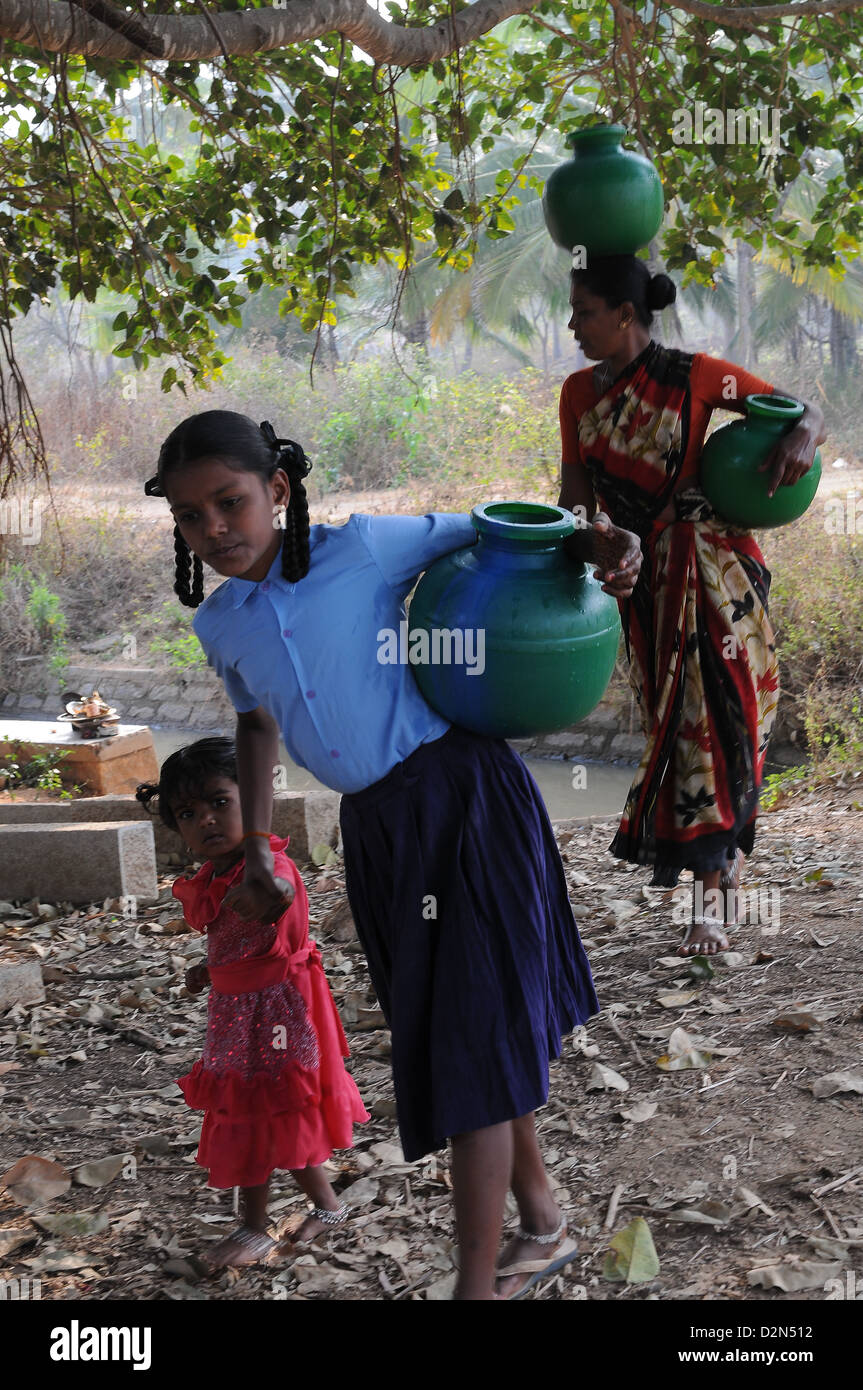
(310, 818)
(101, 765)
(82, 862)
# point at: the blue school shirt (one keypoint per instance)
(308, 652)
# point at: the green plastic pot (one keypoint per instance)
(730, 460)
(606, 199)
(549, 634)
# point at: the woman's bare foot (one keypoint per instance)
(705, 936)
(244, 1247)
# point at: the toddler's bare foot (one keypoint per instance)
(319, 1221)
(244, 1247)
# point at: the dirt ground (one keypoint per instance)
(741, 1158)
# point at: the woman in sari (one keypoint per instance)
(701, 651)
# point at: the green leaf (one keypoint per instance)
(632, 1257)
(700, 969)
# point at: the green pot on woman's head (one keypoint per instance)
(606, 199)
(731, 458)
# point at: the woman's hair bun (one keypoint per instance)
(661, 292)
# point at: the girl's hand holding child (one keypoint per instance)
(260, 896)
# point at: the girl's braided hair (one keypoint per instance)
(250, 448)
(183, 776)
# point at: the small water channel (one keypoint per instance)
(569, 788)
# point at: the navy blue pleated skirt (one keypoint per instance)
(459, 898)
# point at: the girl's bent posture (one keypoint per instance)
(272, 1081)
(453, 874)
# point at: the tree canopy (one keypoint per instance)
(182, 155)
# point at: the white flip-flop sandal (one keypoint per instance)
(538, 1269)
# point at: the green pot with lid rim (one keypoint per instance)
(730, 462)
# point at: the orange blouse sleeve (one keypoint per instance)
(723, 385)
(573, 403)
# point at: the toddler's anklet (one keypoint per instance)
(332, 1218)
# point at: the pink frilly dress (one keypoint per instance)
(272, 1081)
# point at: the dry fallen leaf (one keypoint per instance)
(74, 1223)
(683, 1054)
(100, 1171)
(11, 1237)
(363, 1190)
(798, 1018)
(34, 1180)
(837, 1081)
(441, 1291)
(55, 1261)
(603, 1078)
(389, 1155)
(793, 1274)
(677, 998)
(750, 1199)
(581, 1043)
(708, 1213)
(641, 1111)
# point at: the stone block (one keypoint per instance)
(627, 746)
(602, 718)
(309, 818)
(142, 714)
(560, 742)
(101, 765)
(78, 863)
(200, 693)
(172, 712)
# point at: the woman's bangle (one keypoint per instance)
(265, 834)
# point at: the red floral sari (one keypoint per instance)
(700, 646)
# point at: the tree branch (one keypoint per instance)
(728, 17)
(55, 27)
(52, 26)
(122, 24)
